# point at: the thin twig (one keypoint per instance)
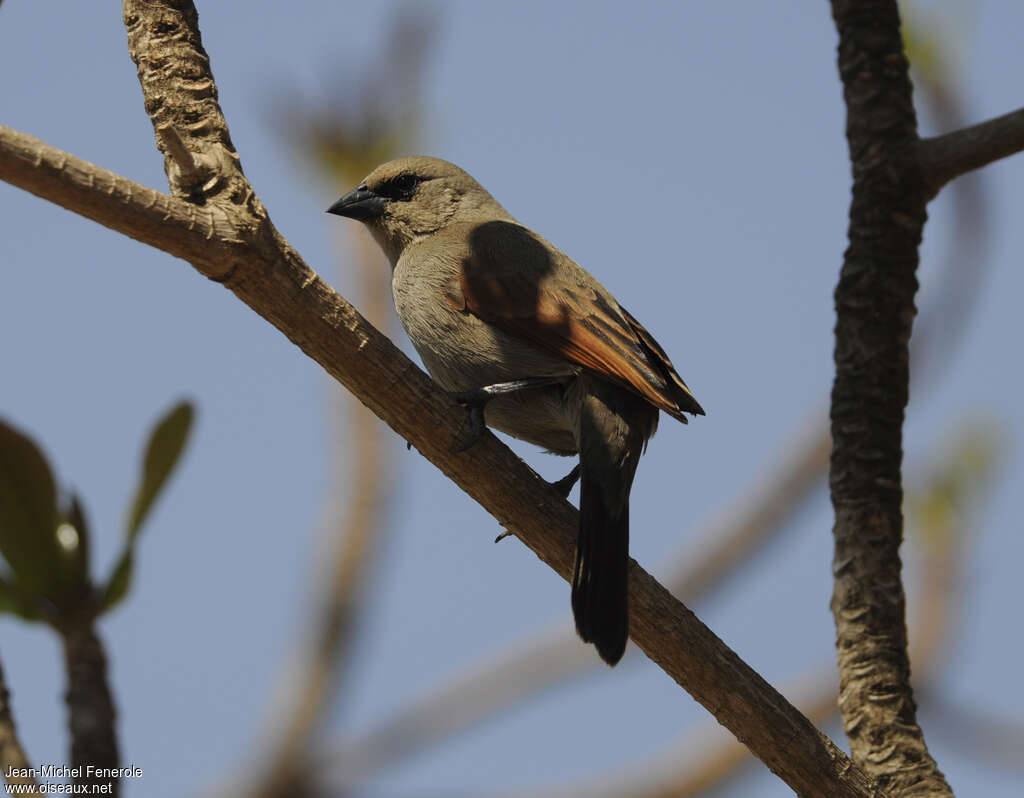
(946, 157)
(171, 141)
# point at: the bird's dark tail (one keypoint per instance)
(600, 575)
(614, 425)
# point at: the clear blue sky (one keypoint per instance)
(689, 154)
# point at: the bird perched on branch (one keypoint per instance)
(535, 347)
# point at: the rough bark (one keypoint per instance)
(875, 310)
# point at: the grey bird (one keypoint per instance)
(535, 346)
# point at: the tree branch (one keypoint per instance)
(12, 755)
(875, 308)
(946, 157)
(705, 761)
(555, 655)
(204, 236)
(258, 265)
(269, 276)
(91, 714)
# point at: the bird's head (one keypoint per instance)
(408, 199)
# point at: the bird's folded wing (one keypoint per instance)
(522, 285)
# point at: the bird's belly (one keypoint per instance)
(461, 351)
(536, 415)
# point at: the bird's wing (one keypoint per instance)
(515, 280)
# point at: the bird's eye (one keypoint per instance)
(400, 187)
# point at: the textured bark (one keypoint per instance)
(91, 715)
(875, 310)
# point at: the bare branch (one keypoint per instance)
(875, 309)
(762, 512)
(12, 756)
(555, 655)
(705, 760)
(946, 157)
(461, 701)
(204, 236)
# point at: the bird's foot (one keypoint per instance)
(476, 400)
(565, 484)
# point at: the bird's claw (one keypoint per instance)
(474, 402)
(565, 484)
(478, 397)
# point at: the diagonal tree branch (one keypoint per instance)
(704, 761)
(271, 278)
(875, 308)
(556, 655)
(946, 157)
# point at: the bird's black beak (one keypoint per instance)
(360, 203)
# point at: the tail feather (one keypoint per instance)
(613, 425)
(600, 575)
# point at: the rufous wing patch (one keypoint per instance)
(564, 326)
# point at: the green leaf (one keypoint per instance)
(16, 602)
(166, 443)
(28, 513)
(120, 579)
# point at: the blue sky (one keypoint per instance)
(691, 156)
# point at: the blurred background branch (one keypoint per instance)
(12, 755)
(364, 117)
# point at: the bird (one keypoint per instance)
(535, 347)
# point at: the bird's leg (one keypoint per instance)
(565, 484)
(476, 399)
